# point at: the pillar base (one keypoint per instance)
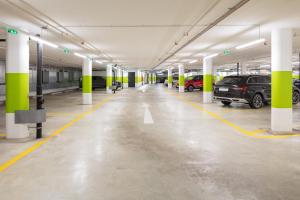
(109, 91)
(282, 119)
(170, 86)
(87, 99)
(125, 85)
(181, 89)
(13, 130)
(207, 97)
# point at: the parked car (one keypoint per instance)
(254, 90)
(100, 82)
(193, 82)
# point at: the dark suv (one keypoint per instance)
(254, 90)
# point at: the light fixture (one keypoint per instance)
(99, 62)
(193, 61)
(211, 56)
(43, 41)
(251, 43)
(80, 55)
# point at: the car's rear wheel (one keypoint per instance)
(296, 97)
(226, 103)
(257, 101)
(190, 88)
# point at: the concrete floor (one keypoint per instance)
(191, 151)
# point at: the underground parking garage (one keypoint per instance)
(137, 99)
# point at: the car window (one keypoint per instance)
(201, 78)
(232, 80)
(196, 78)
(252, 80)
(261, 79)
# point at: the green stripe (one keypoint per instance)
(108, 82)
(136, 79)
(181, 80)
(282, 89)
(17, 91)
(207, 83)
(87, 84)
(170, 79)
(125, 79)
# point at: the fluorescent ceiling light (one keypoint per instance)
(211, 56)
(99, 62)
(251, 43)
(193, 61)
(43, 41)
(79, 55)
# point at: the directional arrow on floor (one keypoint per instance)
(147, 114)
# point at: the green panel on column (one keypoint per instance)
(87, 84)
(125, 79)
(282, 90)
(181, 80)
(170, 79)
(207, 83)
(136, 79)
(17, 92)
(108, 81)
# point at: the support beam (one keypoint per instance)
(282, 113)
(87, 82)
(17, 83)
(181, 80)
(170, 77)
(109, 77)
(125, 79)
(207, 81)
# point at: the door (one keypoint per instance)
(131, 79)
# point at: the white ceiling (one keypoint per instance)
(140, 33)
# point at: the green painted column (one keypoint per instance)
(181, 80)
(17, 83)
(87, 81)
(282, 91)
(125, 79)
(207, 80)
(170, 78)
(109, 79)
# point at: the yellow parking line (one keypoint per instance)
(2, 134)
(254, 134)
(41, 142)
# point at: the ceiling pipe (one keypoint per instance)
(210, 26)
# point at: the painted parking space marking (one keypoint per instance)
(147, 114)
(260, 134)
(41, 142)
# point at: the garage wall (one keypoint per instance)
(53, 77)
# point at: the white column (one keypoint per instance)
(282, 113)
(170, 77)
(125, 79)
(87, 87)
(181, 81)
(207, 80)
(243, 68)
(17, 83)
(109, 75)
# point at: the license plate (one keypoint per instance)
(222, 89)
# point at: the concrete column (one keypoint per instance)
(17, 83)
(181, 80)
(214, 73)
(125, 79)
(109, 79)
(207, 80)
(87, 81)
(282, 113)
(137, 78)
(170, 77)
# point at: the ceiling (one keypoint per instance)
(142, 33)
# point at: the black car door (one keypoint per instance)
(268, 87)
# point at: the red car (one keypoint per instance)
(193, 82)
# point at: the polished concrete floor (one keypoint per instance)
(152, 144)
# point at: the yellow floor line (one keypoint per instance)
(254, 134)
(2, 134)
(41, 142)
